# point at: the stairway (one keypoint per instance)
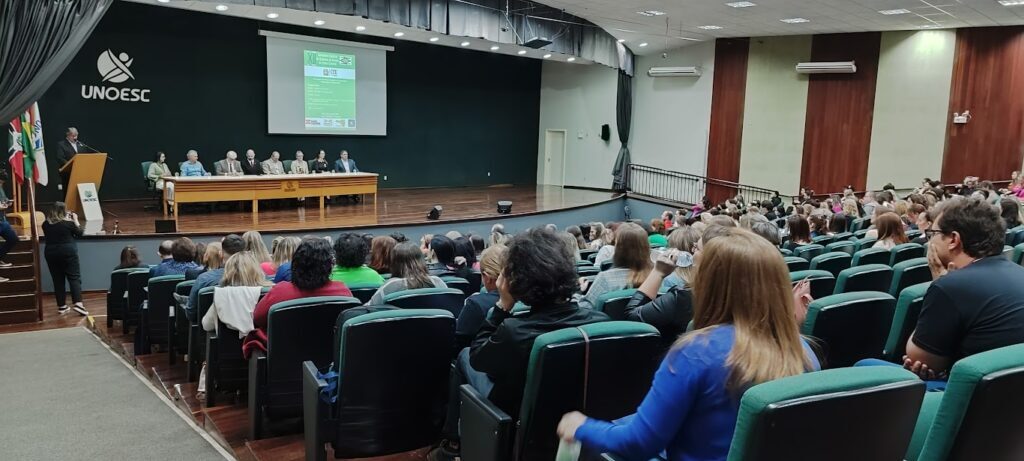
(18, 296)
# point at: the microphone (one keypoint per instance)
(94, 149)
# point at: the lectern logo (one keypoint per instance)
(114, 68)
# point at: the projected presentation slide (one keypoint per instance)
(330, 90)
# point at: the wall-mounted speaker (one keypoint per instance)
(606, 132)
(166, 226)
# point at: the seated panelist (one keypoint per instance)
(319, 164)
(273, 165)
(192, 167)
(229, 166)
(345, 164)
(251, 166)
(299, 166)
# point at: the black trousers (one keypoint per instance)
(62, 260)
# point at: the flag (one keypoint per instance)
(27, 151)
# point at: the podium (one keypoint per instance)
(85, 168)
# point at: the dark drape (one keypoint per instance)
(38, 38)
(623, 120)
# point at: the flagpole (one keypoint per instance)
(34, 235)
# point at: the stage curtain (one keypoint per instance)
(38, 39)
(623, 121)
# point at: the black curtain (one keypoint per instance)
(38, 39)
(623, 120)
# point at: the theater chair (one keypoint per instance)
(364, 291)
(393, 369)
(197, 336)
(904, 320)
(1014, 236)
(1018, 254)
(785, 252)
(796, 263)
(602, 369)
(859, 224)
(834, 262)
(863, 244)
(178, 325)
(906, 251)
(154, 320)
(613, 303)
(907, 273)
(475, 281)
(871, 256)
(845, 246)
(117, 295)
(297, 331)
(226, 368)
(851, 326)
(137, 282)
(842, 236)
(461, 284)
(823, 239)
(850, 414)
(872, 277)
(1008, 253)
(585, 255)
(449, 299)
(606, 265)
(981, 413)
(822, 282)
(584, 271)
(808, 252)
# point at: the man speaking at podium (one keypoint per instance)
(66, 150)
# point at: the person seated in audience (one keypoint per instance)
(474, 311)
(1010, 211)
(578, 235)
(408, 272)
(607, 250)
(924, 222)
(478, 245)
(164, 253)
(281, 257)
(799, 232)
(229, 166)
(890, 231)
(570, 244)
(684, 240)
(192, 167)
(273, 165)
(975, 302)
(254, 244)
(231, 245)
(311, 276)
(200, 260)
(597, 233)
(868, 203)
(837, 223)
(320, 163)
(769, 231)
(130, 258)
(879, 211)
(989, 191)
(350, 252)
(819, 225)
(465, 257)
(539, 272)
(299, 165)
(498, 235)
(399, 237)
(744, 335)
(182, 252)
(441, 254)
(656, 234)
(380, 254)
(630, 266)
(914, 211)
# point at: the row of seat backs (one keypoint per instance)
(862, 255)
(871, 277)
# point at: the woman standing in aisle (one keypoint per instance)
(61, 229)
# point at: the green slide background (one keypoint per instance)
(327, 97)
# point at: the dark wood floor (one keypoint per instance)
(394, 207)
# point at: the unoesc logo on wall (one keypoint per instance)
(114, 68)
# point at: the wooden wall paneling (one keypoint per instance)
(727, 98)
(988, 80)
(837, 132)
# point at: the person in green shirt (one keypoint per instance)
(656, 233)
(350, 252)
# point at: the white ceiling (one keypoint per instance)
(680, 25)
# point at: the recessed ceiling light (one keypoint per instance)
(650, 13)
(272, 15)
(795, 20)
(399, 34)
(710, 27)
(434, 39)
(360, 28)
(894, 12)
(319, 22)
(221, 8)
(571, 58)
(164, 1)
(741, 4)
(1011, 2)
(622, 40)
(464, 44)
(642, 44)
(929, 26)
(547, 56)
(495, 48)
(521, 52)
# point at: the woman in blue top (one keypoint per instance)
(745, 335)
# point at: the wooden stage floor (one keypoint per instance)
(394, 207)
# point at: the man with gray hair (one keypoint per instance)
(273, 165)
(67, 148)
(192, 167)
(230, 166)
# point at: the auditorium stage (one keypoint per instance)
(394, 207)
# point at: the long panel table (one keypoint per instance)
(204, 189)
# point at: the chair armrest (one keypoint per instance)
(314, 412)
(257, 385)
(212, 365)
(486, 430)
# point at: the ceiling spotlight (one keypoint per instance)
(929, 26)
(221, 8)
(464, 44)
(495, 48)
(795, 20)
(710, 27)
(272, 15)
(642, 44)
(164, 1)
(894, 12)
(399, 34)
(1011, 2)
(546, 56)
(741, 4)
(434, 39)
(622, 40)
(521, 52)
(360, 28)
(571, 58)
(319, 22)
(650, 13)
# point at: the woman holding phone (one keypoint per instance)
(61, 229)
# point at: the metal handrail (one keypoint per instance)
(687, 188)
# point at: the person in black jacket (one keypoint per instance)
(539, 272)
(251, 166)
(61, 228)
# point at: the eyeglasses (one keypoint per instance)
(932, 232)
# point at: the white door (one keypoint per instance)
(554, 157)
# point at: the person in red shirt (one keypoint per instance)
(311, 276)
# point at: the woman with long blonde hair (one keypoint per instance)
(745, 335)
(254, 244)
(630, 264)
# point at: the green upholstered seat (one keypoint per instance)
(785, 252)
(155, 318)
(584, 271)
(903, 252)
(823, 239)
(614, 303)
(904, 320)
(871, 256)
(851, 326)
(861, 413)
(845, 246)
(980, 415)
(907, 273)
(859, 224)
(1018, 254)
(364, 291)
(460, 284)
(796, 263)
(808, 252)
(833, 262)
(872, 277)
(863, 243)
(822, 282)
(449, 299)
(1008, 252)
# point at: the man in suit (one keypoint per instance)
(67, 148)
(251, 166)
(346, 165)
(273, 165)
(230, 166)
